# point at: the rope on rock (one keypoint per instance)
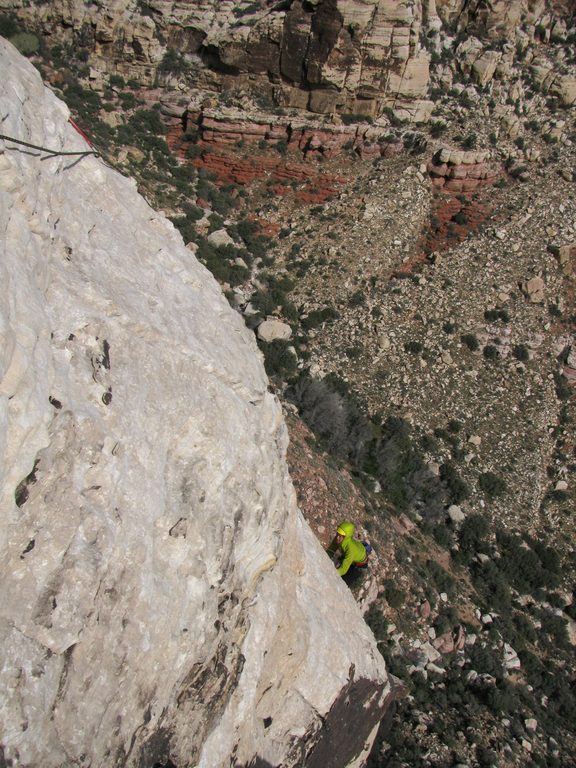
(53, 152)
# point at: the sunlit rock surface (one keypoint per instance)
(162, 597)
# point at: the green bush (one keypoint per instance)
(357, 299)
(491, 484)
(415, 347)
(27, 43)
(395, 597)
(490, 352)
(8, 26)
(319, 316)
(470, 340)
(458, 489)
(279, 360)
(117, 81)
(473, 533)
(470, 141)
(173, 62)
(521, 352)
(496, 314)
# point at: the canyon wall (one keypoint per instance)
(360, 57)
(163, 599)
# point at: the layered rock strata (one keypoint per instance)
(461, 170)
(308, 138)
(163, 598)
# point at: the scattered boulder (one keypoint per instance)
(272, 330)
(533, 289)
(220, 237)
(455, 514)
(511, 660)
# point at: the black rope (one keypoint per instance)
(53, 152)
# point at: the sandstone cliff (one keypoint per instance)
(362, 57)
(163, 599)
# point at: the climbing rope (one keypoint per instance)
(52, 152)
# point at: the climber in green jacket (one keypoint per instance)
(353, 551)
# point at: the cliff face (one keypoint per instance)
(162, 598)
(325, 56)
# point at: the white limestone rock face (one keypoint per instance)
(162, 596)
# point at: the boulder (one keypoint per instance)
(272, 329)
(220, 237)
(534, 290)
(455, 514)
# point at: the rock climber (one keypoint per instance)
(346, 551)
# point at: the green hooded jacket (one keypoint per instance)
(354, 551)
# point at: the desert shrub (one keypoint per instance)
(485, 661)
(281, 146)
(117, 81)
(415, 347)
(441, 535)
(470, 340)
(357, 299)
(84, 102)
(470, 141)
(173, 62)
(491, 484)
(473, 532)
(490, 352)
(563, 390)
(193, 151)
(389, 451)
(486, 757)
(492, 315)
(377, 622)
(8, 25)
(357, 118)
(247, 9)
(523, 567)
(26, 42)
(333, 416)
(521, 352)
(457, 488)
(437, 128)
(273, 293)
(395, 596)
(249, 232)
(218, 260)
(490, 582)
(548, 556)
(279, 359)
(319, 316)
(185, 225)
(442, 580)
(128, 100)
